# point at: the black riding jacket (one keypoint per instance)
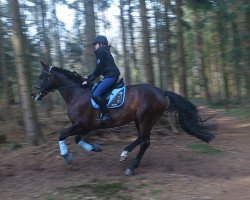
(105, 64)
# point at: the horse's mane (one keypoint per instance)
(71, 75)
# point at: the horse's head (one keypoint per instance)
(44, 84)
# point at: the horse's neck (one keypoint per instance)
(69, 89)
(69, 93)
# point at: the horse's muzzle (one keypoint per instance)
(38, 96)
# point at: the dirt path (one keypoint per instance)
(175, 167)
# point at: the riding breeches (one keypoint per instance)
(104, 86)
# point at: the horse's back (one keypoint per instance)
(149, 90)
(146, 98)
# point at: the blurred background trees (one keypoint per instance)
(199, 49)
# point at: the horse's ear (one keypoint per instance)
(45, 66)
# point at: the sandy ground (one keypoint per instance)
(175, 166)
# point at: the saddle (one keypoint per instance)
(114, 97)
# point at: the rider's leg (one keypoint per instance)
(97, 96)
(105, 115)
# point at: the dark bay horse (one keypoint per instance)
(144, 104)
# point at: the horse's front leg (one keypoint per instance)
(72, 130)
(86, 146)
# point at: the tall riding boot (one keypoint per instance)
(105, 115)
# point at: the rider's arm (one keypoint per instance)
(100, 64)
(101, 56)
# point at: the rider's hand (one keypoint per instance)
(84, 83)
(85, 80)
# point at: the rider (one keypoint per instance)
(106, 67)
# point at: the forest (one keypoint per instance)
(199, 49)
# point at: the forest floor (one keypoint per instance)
(175, 166)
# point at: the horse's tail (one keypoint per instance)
(188, 117)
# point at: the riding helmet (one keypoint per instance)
(100, 39)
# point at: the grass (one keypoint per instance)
(233, 109)
(204, 148)
(92, 190)
(237, 112)
(50, 198)
(105, 190)
(156, 191)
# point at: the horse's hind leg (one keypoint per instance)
(131, 146)
(144, 144)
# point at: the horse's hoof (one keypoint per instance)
(68, 158)
(96, 148)
(128, 172)
(123, 158)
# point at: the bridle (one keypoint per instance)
(41, 88)
(44, 92)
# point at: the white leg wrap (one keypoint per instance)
(63, 148)
(124, 156)
(85, 145)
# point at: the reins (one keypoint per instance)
(49, 73)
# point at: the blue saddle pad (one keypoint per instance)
(115, 99)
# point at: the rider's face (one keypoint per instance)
(97, 46)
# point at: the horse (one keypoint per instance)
(144, 104)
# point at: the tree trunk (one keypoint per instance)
(3, 65)
(136, 71)
(147, 57)
(247, 48)
(46, 53)
(28, 114)
(158, 56)
(167, 49)
(236, 60)
(46, 50)
(124, 44)
(57, 36)
(200, 56)
(90, 34)
(180, 48)
(222, 43)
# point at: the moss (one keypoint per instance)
(204, 148)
